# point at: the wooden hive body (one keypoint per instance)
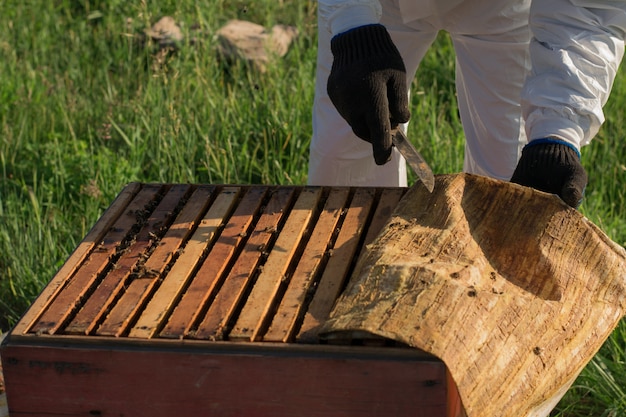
(207, 300)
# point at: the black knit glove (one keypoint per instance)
(367, 85)
(553, 166)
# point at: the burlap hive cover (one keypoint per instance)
(510, 287)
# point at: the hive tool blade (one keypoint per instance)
(414, 159)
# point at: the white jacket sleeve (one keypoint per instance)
(342, 15)
(575, 53)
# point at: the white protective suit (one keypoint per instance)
(576, 50)
(575, 56)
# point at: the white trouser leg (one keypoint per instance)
(491, 43)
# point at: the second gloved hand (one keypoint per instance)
(367, 85)
(553, 166)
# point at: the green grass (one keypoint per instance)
(86, 108)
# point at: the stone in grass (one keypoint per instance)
(252, 43)
(166, 33)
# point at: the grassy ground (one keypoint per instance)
(86, 108)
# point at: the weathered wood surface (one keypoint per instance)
(292, 306)
(337, 270)
(239, 263)
(511, 288)
(229, 381)
(238, 281)
(207, 279)
(163, 301)
(103, 242)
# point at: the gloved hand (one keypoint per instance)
(553, 166)
(367, 85)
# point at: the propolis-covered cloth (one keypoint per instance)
(514, 290)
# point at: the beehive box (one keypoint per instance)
(207, 300)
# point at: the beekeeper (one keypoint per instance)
(531, 80)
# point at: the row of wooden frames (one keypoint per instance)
(213, 262)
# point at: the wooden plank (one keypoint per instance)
(387, 202)
(338, 265)
(227, 300)
(85, 381)
(134, 297)
(164, 300)
(255, 311)
(86, 276)
(78, 256)
(209, 276)
(98, 303)
(294, 301)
